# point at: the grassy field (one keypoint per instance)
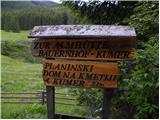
(23, 35)
(20, 72)
(20, 76)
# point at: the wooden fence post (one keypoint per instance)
(50, 102)
(43, 97)
(106, 105)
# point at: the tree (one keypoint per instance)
(7, 21)
(65, 18)
(143, 82)
(140, 100)
(107, 12)
(14, 25)
(26, 19)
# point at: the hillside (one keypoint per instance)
(16, 5)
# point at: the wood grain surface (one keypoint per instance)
(88, 49)
(80, 74)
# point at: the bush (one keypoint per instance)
(142, 81)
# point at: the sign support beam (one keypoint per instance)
(50, 102)
(106, 105)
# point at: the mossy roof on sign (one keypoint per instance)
(81, 31)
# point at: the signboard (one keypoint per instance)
(86, 44)
(87, 49)
(80, 74)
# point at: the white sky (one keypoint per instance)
(59, 1)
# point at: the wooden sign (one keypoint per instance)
(83, 43)
(88, 49)
(80, 74)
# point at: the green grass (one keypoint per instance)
(17, 46)
(14, 111)
(20, 76)
(20, 72)
(23, 35)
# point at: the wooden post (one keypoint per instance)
(43, 97)
(50, 102)
(106, 105)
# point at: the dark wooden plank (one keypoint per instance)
(79, 31)
(43, 97)
(20, 97)
(50, 102)
(80, 74)
(106, 104)
(20, 93)
(20, 102)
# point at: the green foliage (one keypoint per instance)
(26, 19)
(145, 20)
(107, 12)
(14, 24)
(142, 81)
(5, 24)
(146, 71)
(10, 22)
(92, 99)
(142, 84)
